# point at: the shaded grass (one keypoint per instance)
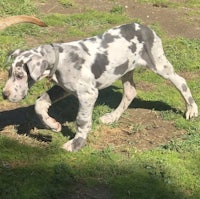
(48, 173)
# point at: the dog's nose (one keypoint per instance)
(5, 94)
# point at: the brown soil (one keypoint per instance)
(143, 129)
(175, 22)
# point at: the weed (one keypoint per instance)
(135, 128)
(118, 9)
(66, 3)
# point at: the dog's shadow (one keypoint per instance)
(25, 118)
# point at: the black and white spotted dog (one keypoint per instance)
(83, 67)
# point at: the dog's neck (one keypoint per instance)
(51, 55)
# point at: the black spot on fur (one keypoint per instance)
(128, 31)
(191, 100)
(77, 60)
(27, 54)
(100, 36)
(19, 64)
(108, 38)
(84, 47)
(121, 69)
(60, 49)
(43, 66)
(73, 56)
(81, 123)
(132, 47)
(146, 36)
(92, 39)
(78, 143)
(98, 84)
(42, 53)
(99, 65)
(184, 87)
(36, 51)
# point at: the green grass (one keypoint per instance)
(32, 168)
(17, 7)
(187, 49)
(66, 3)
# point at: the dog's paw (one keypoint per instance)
(108, 118)
(192, 111)
(74, 144)
(53, 124)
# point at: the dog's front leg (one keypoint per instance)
(84, 119)
(45, 101)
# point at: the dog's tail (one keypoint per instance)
(8, 21)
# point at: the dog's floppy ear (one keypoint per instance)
(14, 54)
(36, 67)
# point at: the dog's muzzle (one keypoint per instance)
(5, 94)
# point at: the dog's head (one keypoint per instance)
(27, 67)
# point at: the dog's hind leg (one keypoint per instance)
(129, 93)
(43, 103)
(164, 68)
(181, 85)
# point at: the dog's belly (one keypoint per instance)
(108, 78)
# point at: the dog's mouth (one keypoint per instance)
(8, 95)
(13, 99)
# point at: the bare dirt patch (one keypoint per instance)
(140, 128)
(174, 21)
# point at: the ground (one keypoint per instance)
(142, 127)
(176, 22)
